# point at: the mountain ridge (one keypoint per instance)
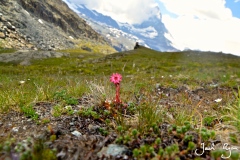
(150, 33)
(45, 25)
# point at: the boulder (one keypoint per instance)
(86, 48)
(2, 35)
(25, 62)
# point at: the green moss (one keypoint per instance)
(7, 50)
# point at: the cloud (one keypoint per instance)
(204, 25)
(236, 1)
(214, 9)
(131, 11)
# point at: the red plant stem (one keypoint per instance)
(117, 93)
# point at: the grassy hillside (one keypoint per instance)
(191, 92)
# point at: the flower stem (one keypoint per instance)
(117, 93)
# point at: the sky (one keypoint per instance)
(207, 25)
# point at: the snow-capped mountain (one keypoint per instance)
(123, 36)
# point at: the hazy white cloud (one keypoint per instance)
(131, 11)
(204, 25)
(236, 0)
(213, 9)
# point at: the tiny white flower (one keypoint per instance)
(218, 100)
(108, 101)
(68, 107)
(21, 82)
(170, 76)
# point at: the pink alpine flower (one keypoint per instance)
(116, 79)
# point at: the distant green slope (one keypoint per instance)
(142, 63)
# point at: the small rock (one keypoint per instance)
(170, 116)
(25, 63)
(213, 85)
(15, 129)
(4, 28)
(2, 35)
(86, 48)
(74, 118)
(61, 154)
(80, 56)
(112, 150)
(93, 128)
(46, 54)
(72, 129)
(76, 133)
(13, 28)
(157, 85)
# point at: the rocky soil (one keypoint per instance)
(45, 25)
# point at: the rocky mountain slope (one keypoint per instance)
(45, 24)
(151, 33)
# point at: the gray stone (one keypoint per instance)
(57, 56)
(2, 35)
(46, 54)
(158, 85)
(86, 48)
(61, 155)
(72, 129)
(81, 56)
(76, 133)
(4, 28)
(112, 150)
(13, 28)
(15, 129)
(93, 128)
